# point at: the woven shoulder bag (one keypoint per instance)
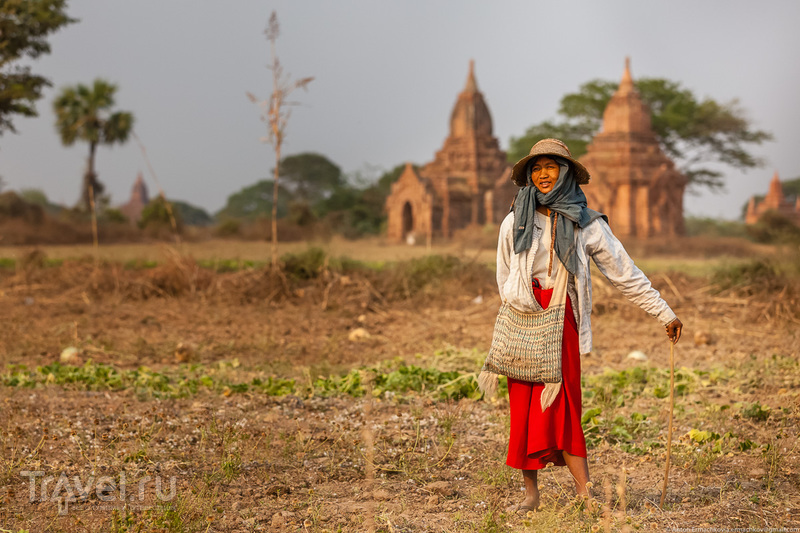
(527, 346)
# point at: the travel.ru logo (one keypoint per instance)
(64, 490)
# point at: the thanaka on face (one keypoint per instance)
(544, 173)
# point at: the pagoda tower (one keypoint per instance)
(775, 200)
(633, 181)
(138, 200)
(458, 187)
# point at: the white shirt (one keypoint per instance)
(596, 241)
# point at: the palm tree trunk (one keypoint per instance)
(95, 240)
(90, 185)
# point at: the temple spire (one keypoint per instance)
(751, 210)
(626, 84)
(775, 195)
(470, 116)
(626, 112)
(139, 191)
(472, 85)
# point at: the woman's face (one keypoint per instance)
(544, 173)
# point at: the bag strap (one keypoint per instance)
(560, 286)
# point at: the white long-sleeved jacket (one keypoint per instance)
(596, 241)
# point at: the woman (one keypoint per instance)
(543, 255)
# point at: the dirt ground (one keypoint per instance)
(245, 460)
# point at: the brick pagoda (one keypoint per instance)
(466, 184)
(774, 201)
(139, 199)
(633, 181)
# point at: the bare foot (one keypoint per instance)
(583, 489)
(530, 503)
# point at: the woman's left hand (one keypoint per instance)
(674, 329)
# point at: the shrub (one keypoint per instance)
(775, 228)
(747, 276)
(408, 278)
(156, 215)
(711, 227)
(304, 265)
(228, 228)
(114, 215)
(301, 214)
(14, 207)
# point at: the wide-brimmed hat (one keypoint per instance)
(548, 147)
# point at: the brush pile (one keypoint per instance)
(309, 275)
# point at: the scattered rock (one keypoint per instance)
(381, 495)
(758, 472)
(442, 488)
(702, 338)
(278, 490)
(637, 355)
(278, 521)
(433, 500)
(70, 355)
(293, 401)
(358, 334)
(478, 299)
(183, 353)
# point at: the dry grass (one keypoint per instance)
(245, 460)
(369, 250)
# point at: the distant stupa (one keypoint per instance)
(774, 201)
(139, 199)
(633, 181)
(467, 183)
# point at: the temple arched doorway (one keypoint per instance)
(408, 220)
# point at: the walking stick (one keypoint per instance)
(671, 408)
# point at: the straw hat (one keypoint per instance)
(548, 147)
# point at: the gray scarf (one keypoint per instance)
(566, 199)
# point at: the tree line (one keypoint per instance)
(702, 135)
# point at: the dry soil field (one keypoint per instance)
(206, 394)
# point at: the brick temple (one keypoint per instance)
(139, 199)
(633, 181)
(775, 200)
(467, 184)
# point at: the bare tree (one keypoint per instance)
(275, 113)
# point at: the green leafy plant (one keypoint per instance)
(704, 447)
(756, 411)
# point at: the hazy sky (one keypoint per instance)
(387, 74)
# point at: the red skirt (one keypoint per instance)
(538, 438)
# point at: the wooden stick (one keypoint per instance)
(671, 409)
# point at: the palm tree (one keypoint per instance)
(84, 113)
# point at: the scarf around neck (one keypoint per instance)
(566, 199)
